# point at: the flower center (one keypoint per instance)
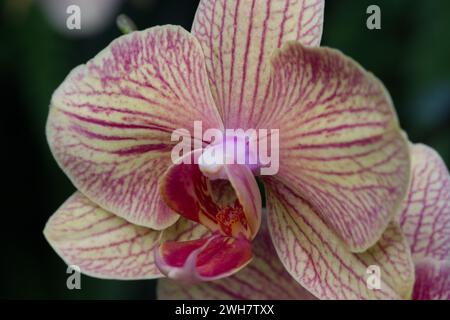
(232, 150)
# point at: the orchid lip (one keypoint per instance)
(230, 210)
(205, 259)
(187, 190)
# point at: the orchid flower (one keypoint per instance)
(424, 218)
(344, 163)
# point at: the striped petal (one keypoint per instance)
(100, 243)
(425, 218)
(340, 142)
(264, 278)
(111, 120)
(190, 193)
(319, 260)
(204, 259)
(432, 280)
(425, 221)
(238, 38)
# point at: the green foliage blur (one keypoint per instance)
(410, 54)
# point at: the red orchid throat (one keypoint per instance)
(229, 210)
(232, 221)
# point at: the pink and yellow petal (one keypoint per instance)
(425, 218)
(111, 120)
(432, 280)
(101, 244)
(205, 259)
(319, 260)
(340, 141)
(238, 39)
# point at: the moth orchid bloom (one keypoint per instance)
(424, 218)
(344, 162)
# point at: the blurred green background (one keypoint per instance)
(410, 54)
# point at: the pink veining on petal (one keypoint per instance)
(340, 141)
(238, 38)
(111, 120)
(425, 218)
(319, 260)
(100, 243)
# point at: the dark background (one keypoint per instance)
(410, 54)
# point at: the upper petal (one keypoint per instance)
(425, 218)
(320, 261)
(238, 37)
(340, 142)
(111, 120)
(264, 278)
(100, 243)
